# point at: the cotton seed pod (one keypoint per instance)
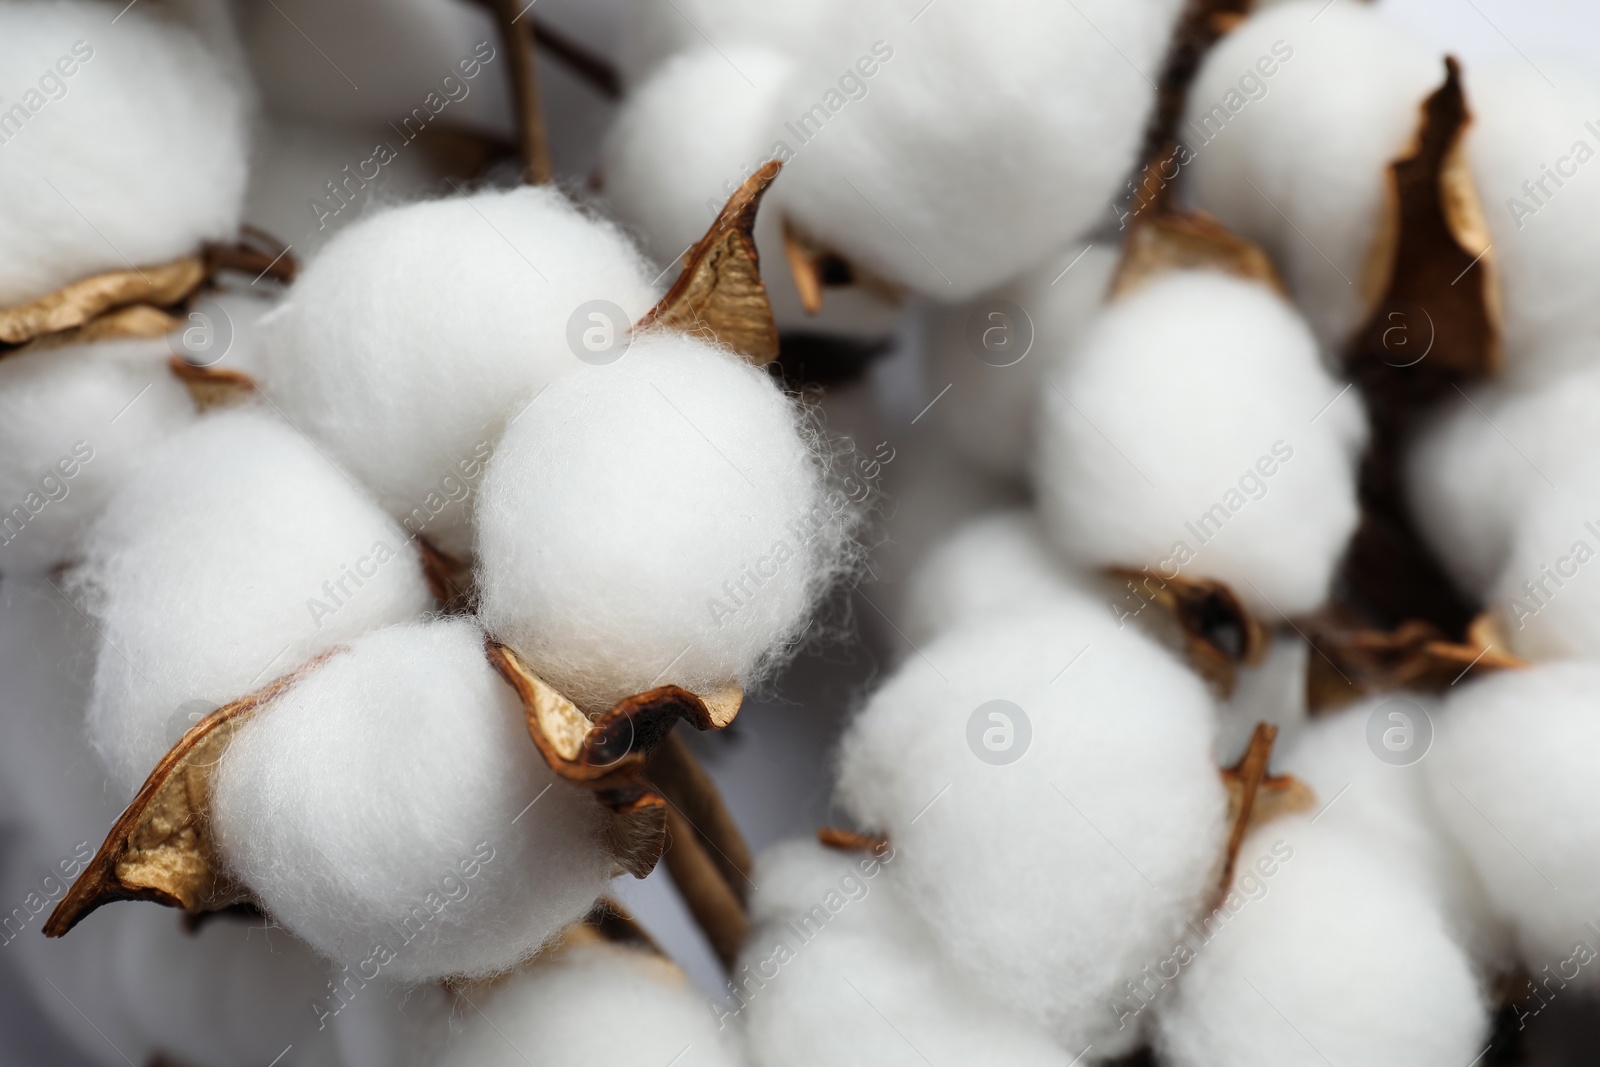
(122, 149)
(546, 1015)
(879, 97)
(833, 942)
(994, 357)
(1195, 432)
(405, 362)
(391, 810)
(662, 520)
(1246, 996)
(1507, 773)
(1316, 203)
(1058, 737)
(237, 553)
(75, 423)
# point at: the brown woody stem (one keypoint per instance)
(712, 902)
(688, 788)
(516, 31)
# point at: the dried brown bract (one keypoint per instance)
(1219, 633)
(119, 303)
(1188, 240)
(213, 387)
(1351, 662)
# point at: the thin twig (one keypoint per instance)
(680, 778)
(711, 901)
(532, 138)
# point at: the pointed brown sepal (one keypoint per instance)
(74, 312)
(257, 253)
(1432, 278)
(1256, 798)
(720, 292)
(161, 847)
(637, 830)
(212, 387)
(1171, 241)
(841, 840)
(1219, 633)
(1350, 663)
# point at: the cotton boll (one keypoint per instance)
(1529, 146)
(1272, 691)
(1331, 958)
(659, 520)
(383, 804)
(1196, 430)
(994, 382)
(833, 943)
(1547, 597)
(393, 1024)
(685, 141)
(899, 129)
(1297, 159)
(134, 158)
(547, 1015)
(235, 554)
(405, 344)
(1050, 879)
(657, 31)
(1511, 774)
(1356, 761)
(991, 566)
(75, 423)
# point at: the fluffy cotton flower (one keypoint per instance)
(406, 342)
(899, 130)
(1195, 430)
(1048, 785)
(685, 141)
(1292, 124)
(1310, 966)
(658, 30)
(1530, 146)
(1547, 597)
(380, 810)
(1511, 772)
(996, 357)
(124, 147)
(237, 553)
(75, 423)
(991, 566)
(832, 942)
(546, 1015)
(660, 520)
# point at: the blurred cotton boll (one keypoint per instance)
(1194, 431)
(122, 146)
(1386, 985)
(75, 423)
(1546, 600)
(382, 807)
(406, 342)
(899, 129)
(655, 31)
(1291, 126)
(234, 555)
(1047, 783)
(660, 520)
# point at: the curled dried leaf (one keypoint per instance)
(720, 292)
(1256, 798)
(1162, 243)
(212, 387)
(1354, 662)
(1219, 633)
(841, 840)
(161, 847)
(74, 306)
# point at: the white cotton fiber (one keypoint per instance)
(655, 31)
(394, 1024)
(407, 342)
(596, 1005)
(659, 520)
(1049, 878)
(1546, 600)
(838, 971)
(685, 141)
(237, 553)
(75, 423)
(992, 566)
(1365, 765)
(119, 146)
(1331, 957)
(1291, 126)
(1194, 431)
(902, 130)
(380, 810)
(995, 357)
(1532, 148)
(1272, 691)
(1512, 774)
